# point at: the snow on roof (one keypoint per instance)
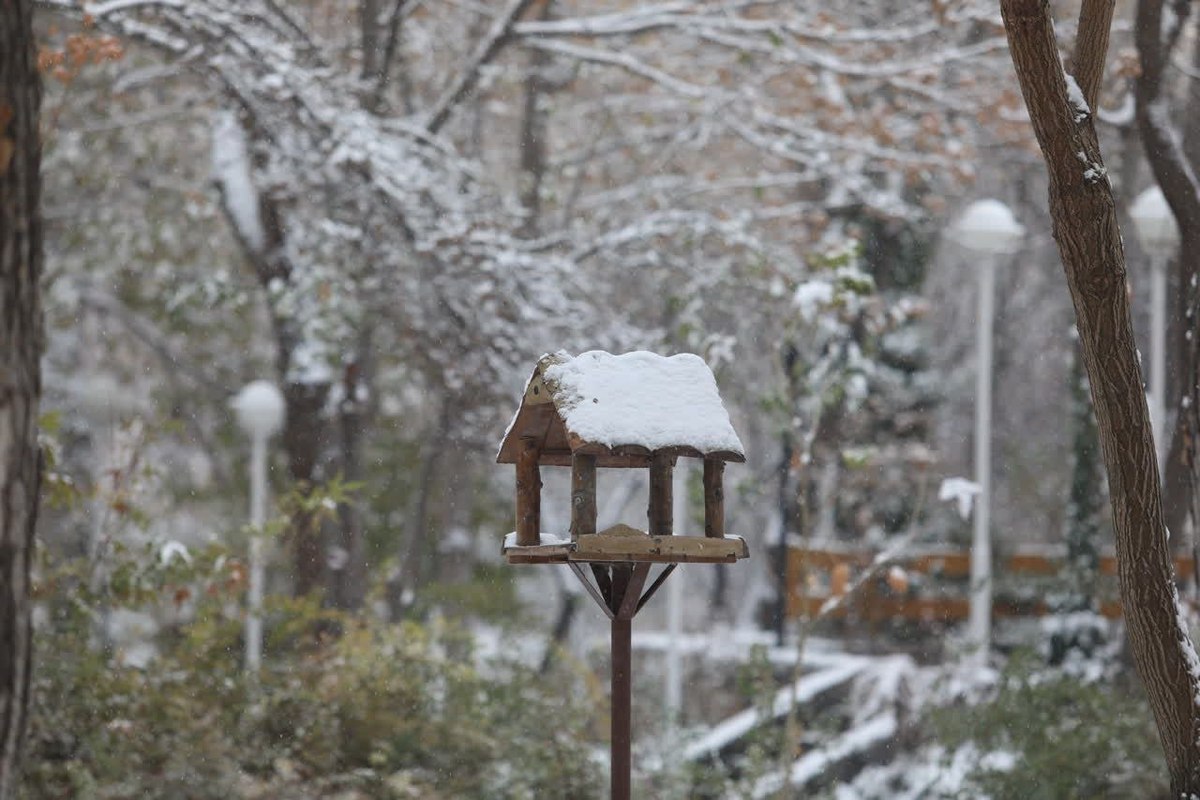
(641, 399)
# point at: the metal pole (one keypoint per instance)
(981, 546)
(1158, 356)
(258, 514)
(621, 708)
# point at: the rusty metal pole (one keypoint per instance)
(621, 760)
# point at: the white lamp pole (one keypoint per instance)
(1156, 230)
(260, 409)
(988, 229)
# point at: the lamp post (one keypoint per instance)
(988, 229)
(260, 409)
(1159, 235)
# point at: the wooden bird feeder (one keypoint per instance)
(637, 410)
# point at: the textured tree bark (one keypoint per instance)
(21, 341)
(1084, 220)
(1091, 39)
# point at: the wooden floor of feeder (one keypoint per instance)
(622, 543)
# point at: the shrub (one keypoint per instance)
(376, 711)
(1049, 735)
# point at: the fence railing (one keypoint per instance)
(932, 585)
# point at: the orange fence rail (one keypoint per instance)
(932, 585)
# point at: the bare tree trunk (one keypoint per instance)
(305, 430)
(348, 583)
(533, 135)
(304, 436)
(1083, 214)
(368, 22)
(417, 540)
(1173, 165)
(790, 519)
(21, 342)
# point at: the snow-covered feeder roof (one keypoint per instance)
(622, 408)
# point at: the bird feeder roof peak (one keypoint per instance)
(622, 408)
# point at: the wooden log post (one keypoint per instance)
(659, 511)
(714, 498)
(529, 495)
(583, 495)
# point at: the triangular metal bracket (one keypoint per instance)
(618, 586)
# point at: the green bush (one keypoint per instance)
(373, 710)
(1066, 739)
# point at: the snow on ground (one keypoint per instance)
(928, 774)
(808, 687)
(812, 765)
(735, 645)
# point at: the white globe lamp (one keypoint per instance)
(988, 227)
(1154, 223)
(260, 409)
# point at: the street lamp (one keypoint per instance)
(260, 409)
(1156, 230)
(988, 229)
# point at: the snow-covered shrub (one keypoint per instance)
(1058, 737)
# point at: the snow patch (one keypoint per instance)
(544, 540)
(962, 492)
(1079, 104)
(809, 686)
(232, 173)
(1185, 644)
(811, 297)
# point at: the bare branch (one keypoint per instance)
(627, 62)
(468, 79)
(391, 47)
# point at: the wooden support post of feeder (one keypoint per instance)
(662, 466)
(583, 495)
(621, 744)
(714, 498)
(529, 495)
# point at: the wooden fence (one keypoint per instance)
(932, 585)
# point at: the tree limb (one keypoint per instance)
(1091, 47)
(1175, 175)
(468, 79)
(391, 47)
